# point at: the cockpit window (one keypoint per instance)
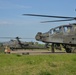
(56, 30)
(51, 31)
(67, 28)
(61, 29)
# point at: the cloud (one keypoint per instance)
(18, 22)
(22, 6)
(9, 5)
(5, 23)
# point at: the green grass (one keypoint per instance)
(53, 64)
(1, 49)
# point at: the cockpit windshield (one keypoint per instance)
(60, 29)
(55, 30)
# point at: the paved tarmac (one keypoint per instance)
(36, 52)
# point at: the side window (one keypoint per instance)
(74, 28)
(67, 29)
(52, 32)
(57, 30)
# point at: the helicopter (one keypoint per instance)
(18, 44)
(64, 35)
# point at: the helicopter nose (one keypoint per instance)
(38, 36)
(41, 36)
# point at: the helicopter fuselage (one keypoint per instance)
(65, 34)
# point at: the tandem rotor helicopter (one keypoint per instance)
(64, 35)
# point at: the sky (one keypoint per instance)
(13, 23)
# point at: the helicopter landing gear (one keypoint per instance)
(68, 50)
(71, 50)
(53, 48)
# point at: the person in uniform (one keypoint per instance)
(7, 50)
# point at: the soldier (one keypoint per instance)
(7, 50)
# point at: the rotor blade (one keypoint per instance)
(14, 38)
(47, 16)
(27, 38)
(24, 38)
(6, 37)
(57, 20)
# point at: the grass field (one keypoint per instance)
(53, 64)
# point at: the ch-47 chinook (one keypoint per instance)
(64, 35)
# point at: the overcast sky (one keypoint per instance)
(13, 23)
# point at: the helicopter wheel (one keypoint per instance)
(68, 50)
(12, 48)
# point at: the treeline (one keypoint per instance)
(1, 48)
(36, 43)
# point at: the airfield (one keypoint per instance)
(36, 52)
